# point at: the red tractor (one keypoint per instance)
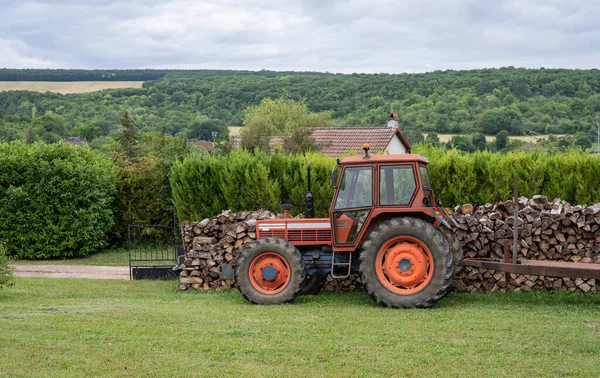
(382, 224)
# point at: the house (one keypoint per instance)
(77, 141)
(338, 141)
(205, 145)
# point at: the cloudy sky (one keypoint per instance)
(314, 35)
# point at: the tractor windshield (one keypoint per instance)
(356, 188)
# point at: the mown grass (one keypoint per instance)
(67, 327)
(114, 257)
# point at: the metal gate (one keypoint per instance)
(155, 251)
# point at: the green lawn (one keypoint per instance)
(108, 257)
(67, 327)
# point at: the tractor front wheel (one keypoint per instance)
(406, 263)
(270, 271)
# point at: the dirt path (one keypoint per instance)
(73, 271)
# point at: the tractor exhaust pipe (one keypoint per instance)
(309, 201)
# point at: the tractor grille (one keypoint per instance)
(309, 235)
(273, 233)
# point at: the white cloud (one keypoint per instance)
(16, 54)
(335, 36)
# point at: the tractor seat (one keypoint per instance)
(287, 206)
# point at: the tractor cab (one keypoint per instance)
(371, 189)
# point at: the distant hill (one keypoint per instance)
(520, 101)
(10, 74)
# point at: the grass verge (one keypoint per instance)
(68, 327)
(108, 257)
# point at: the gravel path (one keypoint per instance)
(73, 271)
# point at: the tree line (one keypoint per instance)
(32, 74)
(202, 102)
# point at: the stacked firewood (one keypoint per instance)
(554, 231)
(213, 241)
(350, 283)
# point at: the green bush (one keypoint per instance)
(459, 178)
(6, 272)
(203, 186)
(54, 199)
(143, 194)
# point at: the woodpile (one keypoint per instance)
(554, 231)
(213, 241)
(351, 283)
(547, 230)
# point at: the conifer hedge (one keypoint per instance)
(482, 177)
(204, 186)
(54, 199)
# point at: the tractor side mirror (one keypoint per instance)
(334, 176)
(439, 202)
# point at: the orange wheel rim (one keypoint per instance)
(404, 265)
(269, 273)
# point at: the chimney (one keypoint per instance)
(393, 120)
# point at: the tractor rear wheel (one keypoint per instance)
(270, 271)
(406, 263)
(314, 284)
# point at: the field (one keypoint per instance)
(235, 131)
(66, 87)
(490, 138)
(67, 328)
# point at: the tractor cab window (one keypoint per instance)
(426, 181)
(356, 188)
(425, 177)
(396, 184)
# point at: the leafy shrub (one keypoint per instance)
(54, 199)
(459, 178)
(143, 194)
(6, 272)
(204, 186)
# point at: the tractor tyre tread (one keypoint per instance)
(456, 246)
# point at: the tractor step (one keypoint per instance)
(341, 264)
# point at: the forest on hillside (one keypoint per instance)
(197, 102)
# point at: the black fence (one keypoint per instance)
(155, 251)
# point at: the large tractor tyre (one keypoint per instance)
(406, 263)
(270, 271)
(313, 285)
(456, 246)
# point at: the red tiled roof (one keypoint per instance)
(338, 141)
(207, 145)
(75, 140)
